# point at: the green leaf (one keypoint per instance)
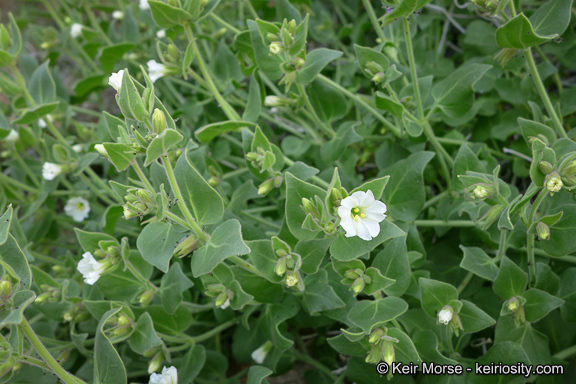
(192, 364)
(473, 318)
(540, 152)
(254, 104)
(511, 280)
(42, 87)
(531, 128)
(567, 292)
(299, 37)
(435, 295)
(455, 94)
(426, 342)
(130, 101)
(319, 295)
(268, 64)
(21, 300)
(563, 233)
(318, 93)
(365, 55)
(89, 240)
(518, 33)
(405, 350)
(12, 258)
(208, 132)
(302, 171)
(108, 366)
(478, 262)
(89, 84)
(466, 160)
(274, 316)
(121, 155)
(144, 337)
(161, 144)
(315, 62)
(5, 222)
(393, 263)
(297, 189)
(368, 314)
(404, 9)
(413, 128)
(535, 344)
(377, 187)
(172, 285)
(203, 201)
(33, 114)
(156, 243)
(111, 54)
(552, 17)
(257, 374)
(241, 298)
(349, 248)
(509, 353)
(312, 253)
(264, 259)
(171, 324)
(342, 345)
(285, 10)
(386, 103)
(379, 282)
(226, 241)
(406, 196)
(345, 136)
(539, 304)
(166, 16)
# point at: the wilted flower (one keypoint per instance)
(143, 5)
(90, 268)
(12, 137)
(76, 30)
(51, 170)
(115, 79)
(445, 315)
(361, 214)
(78, 208)
(156, 70)
(118, 15)
(161, 34)
(168, 375)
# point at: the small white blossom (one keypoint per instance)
(76, 30)
(51, 170)
(42, 123)
(77, 208)
(275, 48)
(90, 268)
(143, 5)
(77, 148)
(259, 355)
(118, 15)
(272, 101)
(361, 214)
(161, 34)
(168, 376)
(12, 137)
(156, 70)
(226, 304)
(554, 184)
(445, 315)
(115, 79)
(480, 192)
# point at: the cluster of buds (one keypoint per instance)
(222, 294)
(50, 294)
(121, 323)
(76, 314)
(375, 71)
(316, 217)
(488, 6)
(448, 316)
(284, 39)
(139, 202)
(261, 159)
(288, 264)
(382, 347)
(360, 280)
(568, 172)
(270, 184)
(515, 306)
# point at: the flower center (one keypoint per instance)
(357, 215)
(79, 206)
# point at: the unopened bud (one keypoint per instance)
(275, 48)
(378, 77)
(569, 169)
(101, 150)
(186, 246)
(146, 298)
(144, 196)
(272, 37)
(266, 187)
(280, 268)
(159, 121)
(129, 213)
(352, 274)
(513, 304)
(5, 290)
(221, 299)
(553, 182)
(376, 335)
(292, 278)
(310, 208)
(389, 355)
(273, 101)
(358, 286)
(373, 67)
(156, 362)
(330, 228)
(214, 181)
(291, 26)
(543, 231)
(299, 62)
(545, 167)
(519, 316)
(278, 181)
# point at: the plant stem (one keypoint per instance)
(372, 17)
(17, 184)
(359, 100)
(327, 129)
(95, 190)
(227, 108)
(142, 176)
(178, 220)
(442, 223)
(25, 166)
(215, 331)
(501, 245)
(52, 363)
(260, 220)
(309, 360)
(90, 172)
(530, 240)
(435, 199)
(544, 95)
(245, 265)
(202, 236)
(564, 354)
(465, 282)
(224, 23)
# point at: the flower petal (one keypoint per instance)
(373, 227)
(349, 202)
(376, 207)
(363, 231)
(349, 225)
(344, 212)
(367, 199)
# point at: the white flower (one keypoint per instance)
(161, 34)
(275, 48)
(77, 148)
(555, 184)
(12, 136)
(115, 79)
(51, 170)
(118, 15)
(226, 304)
(156, 70)
(168, 376)
(77, 208)
(480, 192)
(42, 123)
(143, 5)
(360, 214)
(272, 101)
(445, 315)
(90, 268)
(259, 355)
(76, 30)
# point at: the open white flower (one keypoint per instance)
(143, 5)
(51, 170)
(76, 30)
(90, 268)
(12, 137)
(77, 148)
(161, 34)
(445, 315)
(118, 15)
(77, 208)
(168, 376)
(155, 70)
(361, 214)
(115, 79)
(259, 355)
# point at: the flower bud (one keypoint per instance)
(388, 355)
(505, 55)
(278, 181)
(367, 279)
(492, 215)
(146, 298)
(336, 197)
(275, 47)
(352, 274)
(545, 167)
(272, 37)
(156, 362)
(569, 169)
(5, 351)
(378, 77)
(330, 228)
(513, 304)
(519, 316)
(456, 324)
(376, 335)
(124, 320)
(375, 354)
(373, 67)
(129, 213)
(358, 286)
(310, 208)
(273, 101)
(299, 62)
(291, 278)
(482, 191)
(221, 299)
(290, 263)
(5, 290)
(159, 121)
(144, 196)
(266, 187)
(101, 150)
(291, 26)
(186, 246)
(553, 182)
(543, 231)
(280, 268)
